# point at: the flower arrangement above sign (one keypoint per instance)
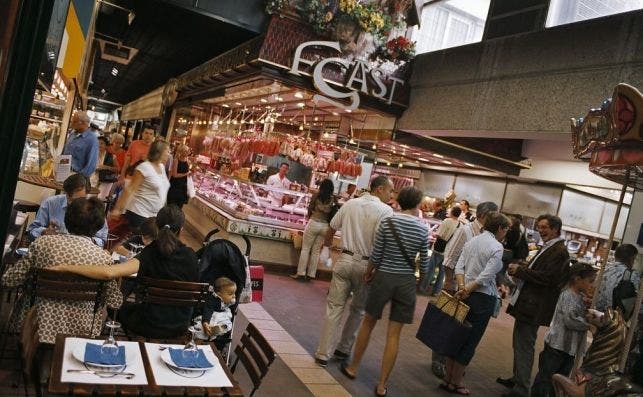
(366, 29)
(359, 76)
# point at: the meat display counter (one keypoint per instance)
(242, 207)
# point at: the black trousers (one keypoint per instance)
(551, 361)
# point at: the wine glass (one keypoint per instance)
(190, 349)
(110, 347)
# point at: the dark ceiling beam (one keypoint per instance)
(246, 14)
(472, 155)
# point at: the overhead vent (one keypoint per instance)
(116, 52)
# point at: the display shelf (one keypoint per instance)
(50, 104)
(247, 210)
(46, 119)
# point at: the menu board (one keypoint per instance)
(530, 199)
(478, 189)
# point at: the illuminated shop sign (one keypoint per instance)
(359, 76)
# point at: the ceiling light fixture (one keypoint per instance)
(469, 164)
(264, 100)
(299, 95)
(301, 104)
(238, 103)
(438, 155)
(114, 72)
(374, 147)
(446, 162)
(225, 105)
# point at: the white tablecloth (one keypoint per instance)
(166, 376)
(135, 366)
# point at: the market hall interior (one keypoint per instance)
(462, 102)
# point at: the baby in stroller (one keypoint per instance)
(216, 322)
(220, 260)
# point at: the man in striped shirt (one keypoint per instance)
(358, 220)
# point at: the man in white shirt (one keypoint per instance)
(358, 220)
(278, 180)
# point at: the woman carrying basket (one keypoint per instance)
(475, 273)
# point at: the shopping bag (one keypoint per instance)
(442, 333)
(191, 189)
(452, 306)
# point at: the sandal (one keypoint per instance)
(381, 395)
(342, 369)
(446, 386)
(461, 390)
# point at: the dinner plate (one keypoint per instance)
(79, 354)
(167, 359)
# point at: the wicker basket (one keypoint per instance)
(452, 306)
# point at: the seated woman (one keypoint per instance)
(165, 258)
(83, 218)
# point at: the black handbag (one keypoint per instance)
(440, 244)
(624, 296)
(441, 332)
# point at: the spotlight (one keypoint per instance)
(114, 72)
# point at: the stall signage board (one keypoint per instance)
(359, 76)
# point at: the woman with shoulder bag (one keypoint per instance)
(475, 273)
(319, 213)
(391, 273)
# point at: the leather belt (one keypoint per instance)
(352, 254)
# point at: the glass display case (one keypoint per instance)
(244, 207)
(43, 133)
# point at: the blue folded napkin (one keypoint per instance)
(94, 355)
(196, 361)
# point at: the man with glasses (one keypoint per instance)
(533, 303)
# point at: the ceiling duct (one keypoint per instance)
(116, 52)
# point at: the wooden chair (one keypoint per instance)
(167, 293)
(48, 284)
(172, 293)
(256, 355)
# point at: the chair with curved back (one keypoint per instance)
(256, 355)
(48, 284)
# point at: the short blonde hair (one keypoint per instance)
(117, 137)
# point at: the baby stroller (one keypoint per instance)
(223, 258)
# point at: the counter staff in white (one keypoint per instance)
(278, 180)
(358, 220)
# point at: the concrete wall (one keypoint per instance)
(529, 83)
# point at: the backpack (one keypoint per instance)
(624, 296)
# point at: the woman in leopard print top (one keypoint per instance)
(83, 218)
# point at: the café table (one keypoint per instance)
(57, 388)
(47, 182)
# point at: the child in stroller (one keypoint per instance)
(218, 259)
(216, 322)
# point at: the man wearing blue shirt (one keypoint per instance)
(50, 218)
(82, 145)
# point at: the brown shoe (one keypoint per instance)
(297, 276)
